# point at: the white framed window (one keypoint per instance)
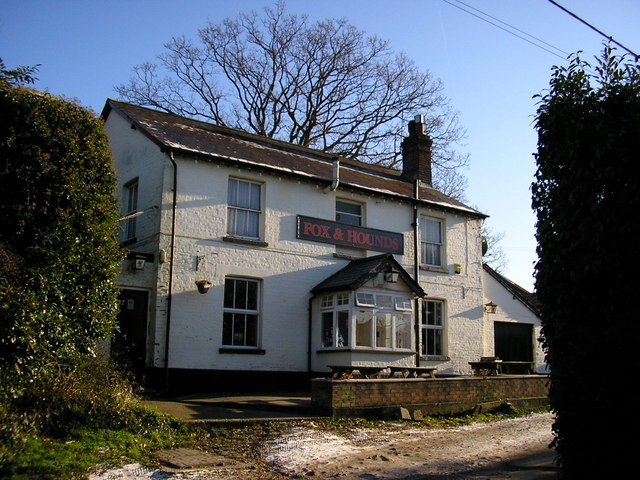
(432, 242)
(383, 321)
(335, 322)
(432, 328)
(131, 207)
(349, 212)
(365, 299)
(241, 312)
(244, 208)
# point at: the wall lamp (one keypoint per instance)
(391, 276)
(203, 286)
(490, 307)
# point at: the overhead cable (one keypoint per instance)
(609, 37)
(511, 29)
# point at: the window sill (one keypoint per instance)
(242, 351)
(366, 350)
(427, 268)
(244, 241)
(128, 241)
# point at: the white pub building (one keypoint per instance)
(254, 263)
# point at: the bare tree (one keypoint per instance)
(323, 85)
(494, 254)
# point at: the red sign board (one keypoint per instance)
(326, 231)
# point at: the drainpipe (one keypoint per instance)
(171, 261)
(310, 335)
(336, 176)
(416, 274)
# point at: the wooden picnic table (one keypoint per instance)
(495, 366)
(516, 367)
(486, 366)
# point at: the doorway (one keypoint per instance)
(129, 345)
(513, 342)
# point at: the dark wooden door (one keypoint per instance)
(514, 341)
(130, 343)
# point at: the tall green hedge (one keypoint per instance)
(587, 198)
(58, 248)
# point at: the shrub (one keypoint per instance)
(586, 194)
(58, 247)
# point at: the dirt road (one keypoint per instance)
(468, 452)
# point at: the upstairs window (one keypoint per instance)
(244, 208)
(347, 212)
(432, 242)
(131, 207)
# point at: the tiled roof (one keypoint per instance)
(189, 136)
(528, 299)
(360, 271)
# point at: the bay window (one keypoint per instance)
(335, 320)
(377, 321)
(383, 321)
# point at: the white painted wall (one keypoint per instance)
(287, 267)
(509, 310)
(461, 293)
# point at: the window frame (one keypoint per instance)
(336, 305)
(235, 310)
(350, 215)
(235, 206)
(131, 191)
(426, 242)
(384, 316)
(438, 330)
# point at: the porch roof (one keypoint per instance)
(360, 271)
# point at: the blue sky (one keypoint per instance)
(86, 47)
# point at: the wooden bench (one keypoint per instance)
(515, 368)
(413, 372)
(487, 366)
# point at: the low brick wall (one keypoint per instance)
(379, 398)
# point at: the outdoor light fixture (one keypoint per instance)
(457, 268)
(203, 286)
(490, 307)
(391, 277)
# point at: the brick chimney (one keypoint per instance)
(416, 152)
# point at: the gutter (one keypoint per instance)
(309, 339)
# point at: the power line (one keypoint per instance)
(609, 37)
(507, 29)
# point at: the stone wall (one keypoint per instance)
(377, 398)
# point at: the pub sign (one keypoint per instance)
(326, 231)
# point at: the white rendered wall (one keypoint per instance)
(288, 268)
(461, 293)
(510, 310)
